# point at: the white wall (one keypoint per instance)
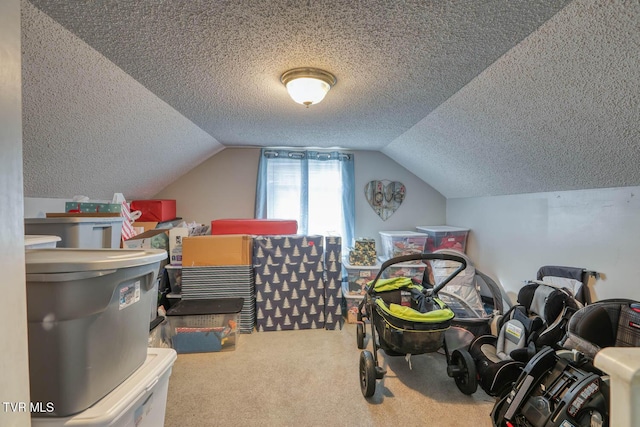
(225, 186)
(14, 372)
(422, 205)
(36, 207)
(512, 236)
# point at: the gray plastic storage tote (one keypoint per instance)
(79, 232)
(88, 321)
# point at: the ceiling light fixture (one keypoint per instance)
(307, 86)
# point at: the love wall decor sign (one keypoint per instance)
(384, 196)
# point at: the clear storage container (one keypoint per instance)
(397, 243)
(445, 237)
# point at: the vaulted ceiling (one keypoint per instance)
(476, 98)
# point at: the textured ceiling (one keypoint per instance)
(89, 128)
(559, 112)
(446, 88)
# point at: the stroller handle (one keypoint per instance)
(422, 257)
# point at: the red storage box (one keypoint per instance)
(257, 227)
(155, 210)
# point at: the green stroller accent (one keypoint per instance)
(408, 318)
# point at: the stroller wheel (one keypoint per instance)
(464, 369)
(367, 374)
(360, 334)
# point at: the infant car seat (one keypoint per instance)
(553, 305)
(540, 319)
(606, 323)
(561, 388)
(499, 359)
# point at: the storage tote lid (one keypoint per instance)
(73, 219)
(440, 228)
(34, 239)
(376, 266)
(402, 234)
(206, 306)
(68, 260)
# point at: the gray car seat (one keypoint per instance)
(606, 323)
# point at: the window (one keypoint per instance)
(314, 188)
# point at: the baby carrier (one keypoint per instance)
(562, 387)
(540, 318)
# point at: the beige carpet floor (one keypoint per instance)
(310, 378)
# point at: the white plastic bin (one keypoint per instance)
(40, 242)
(88, 321)
(358, 276)
(79, 232)
(140, 401)
(174, 272)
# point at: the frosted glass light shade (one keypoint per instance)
(307, 91)
(307, 86)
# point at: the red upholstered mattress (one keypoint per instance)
(258, 227)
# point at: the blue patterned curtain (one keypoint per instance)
(316, 188)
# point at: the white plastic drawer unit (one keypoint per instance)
(140, 400)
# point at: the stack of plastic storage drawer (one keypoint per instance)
(354, 289)
(88, 327)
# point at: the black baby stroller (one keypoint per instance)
(405, 317)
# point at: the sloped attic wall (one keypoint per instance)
(559, 111)
(91, 129)
(225, 187)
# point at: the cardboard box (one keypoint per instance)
(289, 282)
(155, 210)
(362, 258)
(176, 235)
(364, 244)
(88, 207)
(230, 249)
(152, 239)
(151, 225)
(258, 227)
(175, 244)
